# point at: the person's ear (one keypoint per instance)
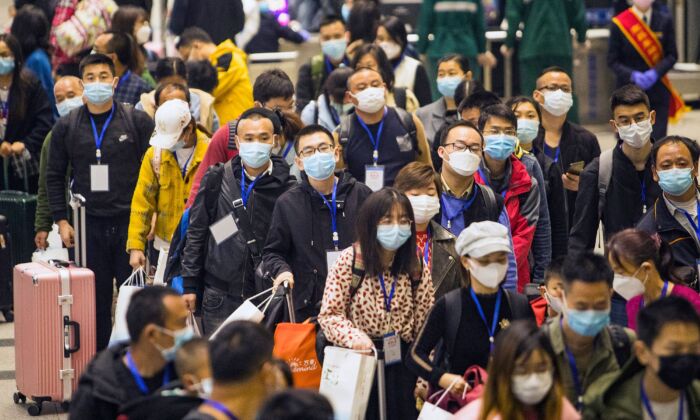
(613, 126)
(189, 381)
(641, 352)
(349, 98)
(237, 140)
(443, 153)
(258, 104)
(336, 153)
(538, 96)
(300, 162)
(469, 76)
(654, 175)
(652, 117)
(276, 140)
(465, 262)
(115, 82)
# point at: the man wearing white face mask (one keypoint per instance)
(377, 141)
(312, 223)
(571, 146)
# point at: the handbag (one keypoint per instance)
(91, 18)
(476, 377)
(433, 411)
(346, 381)
(135, 282)
(248, 311)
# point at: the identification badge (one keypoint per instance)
(374, 177)
(99, 178)
(223, 229)
(392, 348)
(331, 258)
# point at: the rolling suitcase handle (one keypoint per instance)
(77, 202)
(67, 324)
(290, 302)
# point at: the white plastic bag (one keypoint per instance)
(192, 322)
(47, 254)
(433, 412)
(158, 278)
(248, 311)
(347, 381)
(135, 282)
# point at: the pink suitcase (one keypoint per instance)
(54, 329)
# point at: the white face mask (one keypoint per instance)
(490, 275)
(204, 388)
(465, 163)
(370, 100)
(557, 102)
(424, 207)
(554, 302)
(636, 135)
(391, 49)
(629, 286)
(531, 389)
(143, 35)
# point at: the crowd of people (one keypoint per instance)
(412, 213)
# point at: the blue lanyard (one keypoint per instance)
(245, 191)
(375, 141)
(137, 376)
(329, 66)
(690, 220)
(399, 61)
(387, 299)
(221, 409)
(426, 249)
(486, 181)
(574, 370)
(548, 151)
(464, 207)
(663, 294)
(98, 139)
(333, 207)
(289, 146)
(647, 403)
(187, 162)
(496, 310)
(5, 108)
(124, 78)
(644, 196)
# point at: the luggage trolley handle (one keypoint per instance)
(67, 349)
(290, 302)
(77, 202)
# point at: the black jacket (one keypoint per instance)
(221, 19)
(623, 203)
(74, 147)
(229, 266)
(556, 200)
(446, 269)
(685, 252)
(267, 38)
(577, 144)
(300, 234)
(169, 402)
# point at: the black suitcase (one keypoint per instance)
(19, 208)
(5, 270)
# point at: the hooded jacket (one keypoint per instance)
(234, 93)
(229, 265)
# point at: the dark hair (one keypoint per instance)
(336, 84)
(188, 357)
(286, 371)
(417, 175)
(385, 67)
(553, 69)
(479, 100)
(31, 28)
(202, 75)
(123, 45)
(497, 111)
(296, 404)
(637, 246)
(586, 267)
(273, 83)
(689, 143)
(239, 351)
(459, 123)
(661, 312)
(147, 307)
(94, 59)
(460, 59)
(309, 130)
(125, 18)
(363, 20)
(170, 66)
(20, 79)
(629, 95)
(396, 29)
(330, 19)
(46, 6)
(371, 212)
(513, 104)
(257, 113)
(466, 88)
(177, 86)
(192, 34)
(291, 124)
(554, 269)
(361, 69)
(520, 340)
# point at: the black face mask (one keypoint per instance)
(679, 371)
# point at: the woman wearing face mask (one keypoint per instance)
(644, 272)
(166, 175)
(436, 245)
(25, 118)
(409, 72)
(523, 382)
(391, 300)
(468, 319)
(329, 107)
(133, 20)
(373, 57)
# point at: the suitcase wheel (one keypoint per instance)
(34, 409)
(18, 397)
(65, 406)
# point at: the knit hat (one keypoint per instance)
(483, 238)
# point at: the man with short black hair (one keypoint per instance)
(103, 143)
(274, 90)
(585, 346)
(470, 107)
(119, 47)
(313, 222)
(157, 323)
(663, 382)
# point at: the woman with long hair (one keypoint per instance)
(523, 380)
(643, 266)
(133, 20)
(387, 306)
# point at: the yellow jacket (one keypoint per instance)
(165, 197)
(234, 93)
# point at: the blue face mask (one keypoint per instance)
(527, 130)
(499, 146)
(448, 85)
(264, 7)
(319, 166)
(334, 49)
(98, 93)
(7, 65)
(675, 181)
(254, 154)
(67, 105)
(587, 323)
(391, 237)
(345, 12)
(180, 338)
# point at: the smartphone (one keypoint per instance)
(575, 168)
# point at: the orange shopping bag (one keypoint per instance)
(296, 345)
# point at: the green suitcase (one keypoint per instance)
(19, 207)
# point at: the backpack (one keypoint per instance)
(317, 64)
(400, 97)
(344, 130)
(605, 163)
(491, 204)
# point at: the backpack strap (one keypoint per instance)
(409, 125)
(213, 188)
(230, 188)
(519, 308)
(232, 134)
(622, 345)
(400, 97)
(358, 272)
(155, 162)
(344, 132)
(316, 111)
(491, 203)
(605, 163)
(317, 63)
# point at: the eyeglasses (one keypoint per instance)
(310, 151)
(626, 122)
(563, 88)
(460, 147)
(495, 132)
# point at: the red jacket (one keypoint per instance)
(522, 203)
(218, 152)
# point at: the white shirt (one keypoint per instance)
(184, 157)
(267, 172)
(667, 411)
(643, 15)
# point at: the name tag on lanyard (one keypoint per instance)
(392, 348)
(374, 177)
(331, 258)
(99, 178)
(223, 229)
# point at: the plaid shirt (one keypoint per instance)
(130, 88)
(65, 9)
